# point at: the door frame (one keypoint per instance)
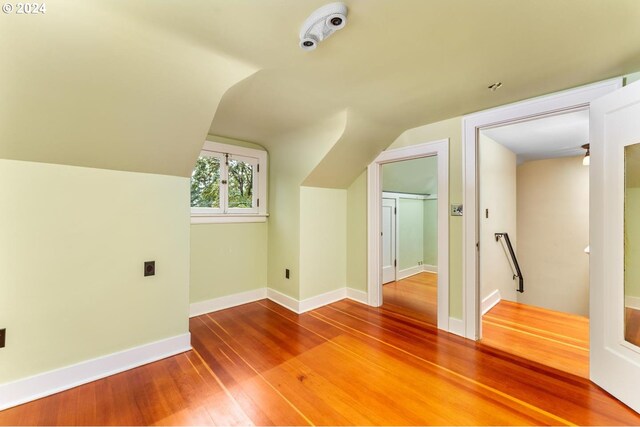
(439, 148)
(548, 105)
(394, 240)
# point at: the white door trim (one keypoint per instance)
(573, 99)
(438, 148)
(614, 363)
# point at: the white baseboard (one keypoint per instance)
(359, 296)
(632, 302)
(284, 300)
(408, 272)
(322, 299)
(456, 326)
(48, 383)
(430, 268)
(490, 301)
(317, 301)
(215, 304)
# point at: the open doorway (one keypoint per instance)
(385, 263)
(533, 195)
(410, 237)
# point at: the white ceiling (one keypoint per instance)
(545, 138)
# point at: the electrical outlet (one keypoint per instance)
(149, 268)
(3, 337)
(286, 273)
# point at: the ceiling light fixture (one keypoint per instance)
(587, 156)
(321, 24)
(495, 86)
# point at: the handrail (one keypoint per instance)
(514, 259)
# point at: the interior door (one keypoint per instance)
(615, 243)
(388, 240)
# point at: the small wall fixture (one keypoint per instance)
(587, 156)
(321, 24)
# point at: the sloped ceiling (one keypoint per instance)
(137, 85)
(415, 176)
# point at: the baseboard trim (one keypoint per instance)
(228, 301)
(317, 301)
(284, 300)
(490, 301)
(456, 326)
(430, 268)
(408, 272)
(51, 382)
(358, 296)
(632, 302)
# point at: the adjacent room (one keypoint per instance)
(410, 237)
(534, 244)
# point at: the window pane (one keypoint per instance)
(240, 184)
(205, 183)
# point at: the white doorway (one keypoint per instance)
(375, 276)
(571, 100)
(388, 240)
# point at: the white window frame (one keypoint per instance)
(224, 214)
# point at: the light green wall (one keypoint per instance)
(357, 233)
(452, 129)
(74, 241)
(238, 265)
(227, 259)
(410, 233)
(430, 228)
(632, 243)
(323, 240)
(290, 160)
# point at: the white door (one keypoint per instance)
(615, 243)
(388, 240)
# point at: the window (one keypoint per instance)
(229, 184)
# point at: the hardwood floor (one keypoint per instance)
(415, 296)
(552, 338)
(343, 364)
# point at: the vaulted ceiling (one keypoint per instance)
(136, 85)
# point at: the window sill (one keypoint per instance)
(228, 218)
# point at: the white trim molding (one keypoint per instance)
(632, 302)
(308, 304)
(411, 271)
(456, 326)
(284, 300)
(290, 303)
(490, 301)
(228, 301)
(357, 295)
(227, 218)
(558, 103)
(317, 301)
(51, 382)
(440, 149)
(430, 268)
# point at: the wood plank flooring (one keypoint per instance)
(415, 296)
(556, 339)
(343, 364)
